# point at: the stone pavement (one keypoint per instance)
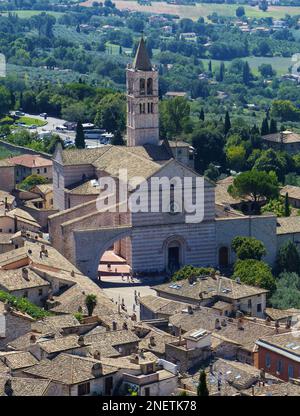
(118, 289)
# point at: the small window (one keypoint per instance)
(142, 87)
(291, 371)
(249, 304)
(147, 391)
(84, 389)
(149, 86)
(45, 170)
(38, 171)
(10, 230)
(1, 230)
(258, 307)
(268, 360)
(25, 295)
(279, 366)
(40, 292)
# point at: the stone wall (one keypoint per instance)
(7, 178)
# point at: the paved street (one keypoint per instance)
(120, 289)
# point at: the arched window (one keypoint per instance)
(142, 86)
(149, 86)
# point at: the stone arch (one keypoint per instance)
(223, 256)
(174, 249)
(149, 86)
(90, 246)
(142, 86)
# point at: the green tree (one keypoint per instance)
(240, 11)
(227, 123)
(174, 113)
(287, 207)
(202, 389)
(5, 101)
(31, 181)
(264, 127)
(254, 273)
(111, 113)
(79, 138)
(202, 115)
(287, 293)
(273, 126)
(221, 72)
(212, 172)
(254, 184)
(266, 70)
(248, 248)
(285, 110)
(236, 157)
(90, 303)
(288, 258)
(209, 146)
(246, 73)
(117, 139)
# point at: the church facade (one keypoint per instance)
(151, 242)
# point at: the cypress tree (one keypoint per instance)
(264, 127)
(227, 123)
(221, 72)
(209, 67)
(273, 126)
(287, 209)
(246, 73)
(202, 115)
(79, 138)
(202, 389)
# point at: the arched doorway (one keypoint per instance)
(223, 256)
(174, 253)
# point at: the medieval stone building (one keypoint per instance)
(149, 241)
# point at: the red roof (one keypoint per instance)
(30, 161)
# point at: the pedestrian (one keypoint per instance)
(122, 275)
(108, 267)
(128, 278)
(116, 270)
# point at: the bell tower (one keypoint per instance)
(142, 100)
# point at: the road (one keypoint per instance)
(53, 122)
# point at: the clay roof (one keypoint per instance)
(275, 389)
(18, 359)
(5, 163)
(10, 197)
(5, 238)
(288, 225)
(54, 323)
(89, 187)
(205, 318)
(286, 343)
(12, 280)
(104, 342)
(22, 386)
(59, 344)
(142, 61)
(161, 338)
(292, 191)
(43, 188)
(30, 161)
(275, 314)
(285, 137)
(22, 216)
(158, 304)
(68, 369)
(222, 197)
(209, 287)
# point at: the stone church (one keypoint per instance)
(151, 242)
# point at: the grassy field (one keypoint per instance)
(29, 121)
(281, 65)
(201, 10)
(25, 14)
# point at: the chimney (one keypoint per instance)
(97, 370)
(223, 322)
(81, 341)
(240, 324)
(97, 355)
(134, 359)
(32, 339)
(114, 325)
(25, 274)
(217, 324)
(72, 273)
(190, 310)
